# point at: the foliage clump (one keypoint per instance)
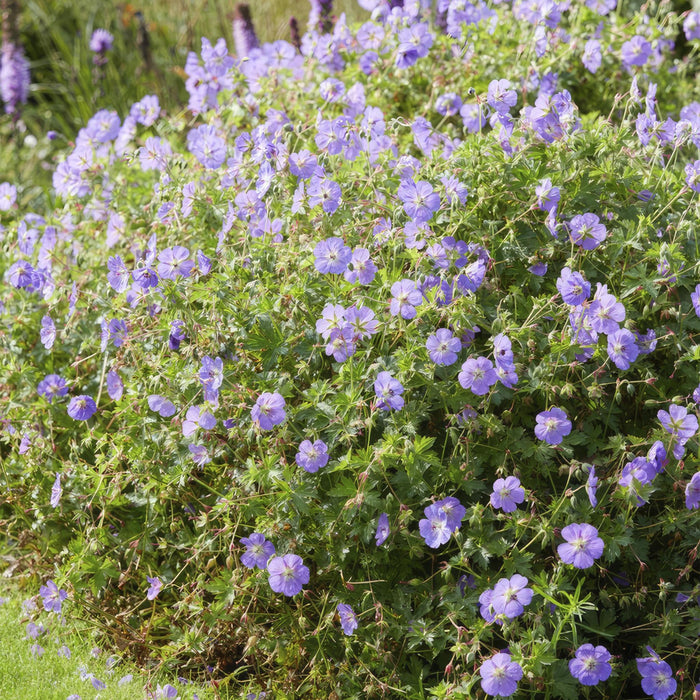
(377, 373)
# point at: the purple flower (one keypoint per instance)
(657, 677)
(118, 275)
(507, 493)
(332, 318)
(56, 492)
(174, 263)
(312, 456)
(622, 349)
(500, 675)
(434, 528)
(14, 76)
(591, 665)
(8, 196)
(692, 492)
(115, 386)
(510, 596)
(691, 26)
(115, 331)
(81, 407)
(244, 37)
(454, 512)
(101, 41)
(258, 551)
(592, 486)
(155, 587)
(448, 104)
(548, 196)
(592, 56)
(500, 96)
(287, 574)
(363, 269)
(388, 391)
(52, 597)
(420, 201)
(362, 321)
(635, 52)
(197, 417)
(405, 297)
(695, 298)
(382, 529)
(414, 43)
(167, 692)
(146, 110)
(52, 386)
(207, 146)
(211, 375)
(48, 332)
(348, 619)
(678, 422)
(332, 256)
(605, 312)
(199, 454)
(657, 456)
(268, 411)
(478, 375)
(324, 191)
(153, 154)
(341, 343)
(443, 347)
(161, 405)
(582, 545)
(638, 471)
(587, 231)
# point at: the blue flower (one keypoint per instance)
(312, 456)
(348, 619)
(383, 530)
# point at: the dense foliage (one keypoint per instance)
(376, 372)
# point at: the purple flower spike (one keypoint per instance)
(287, 574)
(591, 665)
(101, 41)
(14, 77)
(582, 545)
(258, 551)
(244, 37)
(552, 426)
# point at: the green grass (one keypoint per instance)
(52, 677)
